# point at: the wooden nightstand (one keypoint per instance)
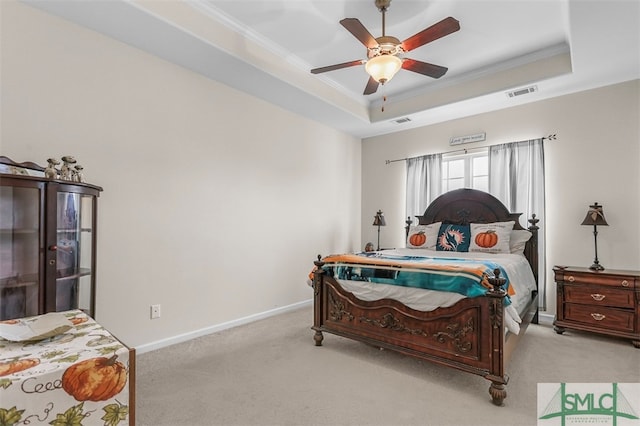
(606, 302)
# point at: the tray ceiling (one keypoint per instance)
(268, 47)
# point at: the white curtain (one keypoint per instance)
(424, 183)
(516, 177)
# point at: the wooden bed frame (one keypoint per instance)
(468, 336)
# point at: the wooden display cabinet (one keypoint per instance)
(47, 242)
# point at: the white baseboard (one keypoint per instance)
(543, 318)
(218, 327)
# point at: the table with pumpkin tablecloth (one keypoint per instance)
(82, 376)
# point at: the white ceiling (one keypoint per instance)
(268, 47)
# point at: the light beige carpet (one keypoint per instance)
(270, 373)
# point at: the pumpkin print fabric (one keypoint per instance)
(14, 366)
(79, 377)
(423, 236)
(491, 237)
(95, 379)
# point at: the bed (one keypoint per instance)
(473, 333)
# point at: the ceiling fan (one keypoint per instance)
(383, 53)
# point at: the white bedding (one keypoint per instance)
(516, 266)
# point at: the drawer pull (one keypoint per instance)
(625, 283)
(598, 317)
(570, 278)
(598, 297)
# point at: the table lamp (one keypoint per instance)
(595, 217)
(379, 221)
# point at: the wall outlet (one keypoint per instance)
(155, 311)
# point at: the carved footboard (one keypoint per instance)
(468, 336)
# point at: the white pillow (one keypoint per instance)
(491, 237)
(519, 238)
(423, 236)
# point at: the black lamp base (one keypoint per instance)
(596, 267)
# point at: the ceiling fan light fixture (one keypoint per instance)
(385, 54)
(382, 68)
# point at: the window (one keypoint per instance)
(469, 170)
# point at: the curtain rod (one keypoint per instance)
(465, 150)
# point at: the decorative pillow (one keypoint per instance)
(453, 237)
(423, 236)
(491, 237)
(519, 238)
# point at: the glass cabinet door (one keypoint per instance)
(20, 237)
(74, 275)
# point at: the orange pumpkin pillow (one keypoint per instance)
(423, 236)
(491, 237)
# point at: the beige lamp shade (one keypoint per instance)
(382, 68)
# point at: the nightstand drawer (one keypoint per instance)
(606, 318)
(619, 281)
(599, 296)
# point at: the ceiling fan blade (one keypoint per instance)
(372, 86)
(355, 27)
(445, 27)
(431, 70)
(336, 66)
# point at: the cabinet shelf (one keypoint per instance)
(72, 230)
(13, 231)
(20, 280)
(70, 274)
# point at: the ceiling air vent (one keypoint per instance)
(402, 120)
(523, 91)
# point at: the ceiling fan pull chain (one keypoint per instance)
(384, 99)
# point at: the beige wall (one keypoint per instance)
(595, 158)
(210, 195)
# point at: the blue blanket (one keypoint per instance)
(468, 277)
